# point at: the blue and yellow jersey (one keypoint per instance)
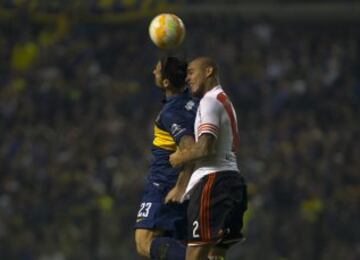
(175, 120)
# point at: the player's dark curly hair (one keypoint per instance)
(174, 69)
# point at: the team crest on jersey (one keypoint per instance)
(189, 105)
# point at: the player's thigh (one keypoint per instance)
(143, 239)
(232, 205)
(197, 252)
(146, 234)
(153, 214)
(216, 253)
(150, 207)
(216, 206)
(197, 214)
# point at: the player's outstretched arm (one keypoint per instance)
(176, 193)
(201, 149)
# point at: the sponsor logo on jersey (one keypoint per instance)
(176, 129)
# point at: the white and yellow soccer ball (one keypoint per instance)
(167, 31)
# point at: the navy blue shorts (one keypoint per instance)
(155, 215)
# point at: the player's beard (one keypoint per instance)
(198, 92)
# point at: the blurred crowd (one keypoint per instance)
(118, 6)
(90, 6)
(77, 104)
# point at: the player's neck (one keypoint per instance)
(172, 92)
(210, 84)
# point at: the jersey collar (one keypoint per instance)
(170, 98)
(217, 87)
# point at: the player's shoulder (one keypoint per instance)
(210, 99)
(179, 109)
(184, 103)
(215, 95)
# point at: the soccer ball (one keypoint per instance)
(167, 31)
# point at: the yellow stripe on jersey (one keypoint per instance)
(163, 139)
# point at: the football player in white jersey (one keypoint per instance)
(216, 190)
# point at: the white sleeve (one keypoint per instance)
(209, 115)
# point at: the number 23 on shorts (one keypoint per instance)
(144, 209)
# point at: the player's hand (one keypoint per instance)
(174, 195)
(175, 158)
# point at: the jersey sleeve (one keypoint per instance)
(209, 116)
(179, 124)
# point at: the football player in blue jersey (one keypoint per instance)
(161, 226)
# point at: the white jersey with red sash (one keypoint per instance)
(216, 116)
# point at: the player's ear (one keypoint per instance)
(166, 83)
(209, 71)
